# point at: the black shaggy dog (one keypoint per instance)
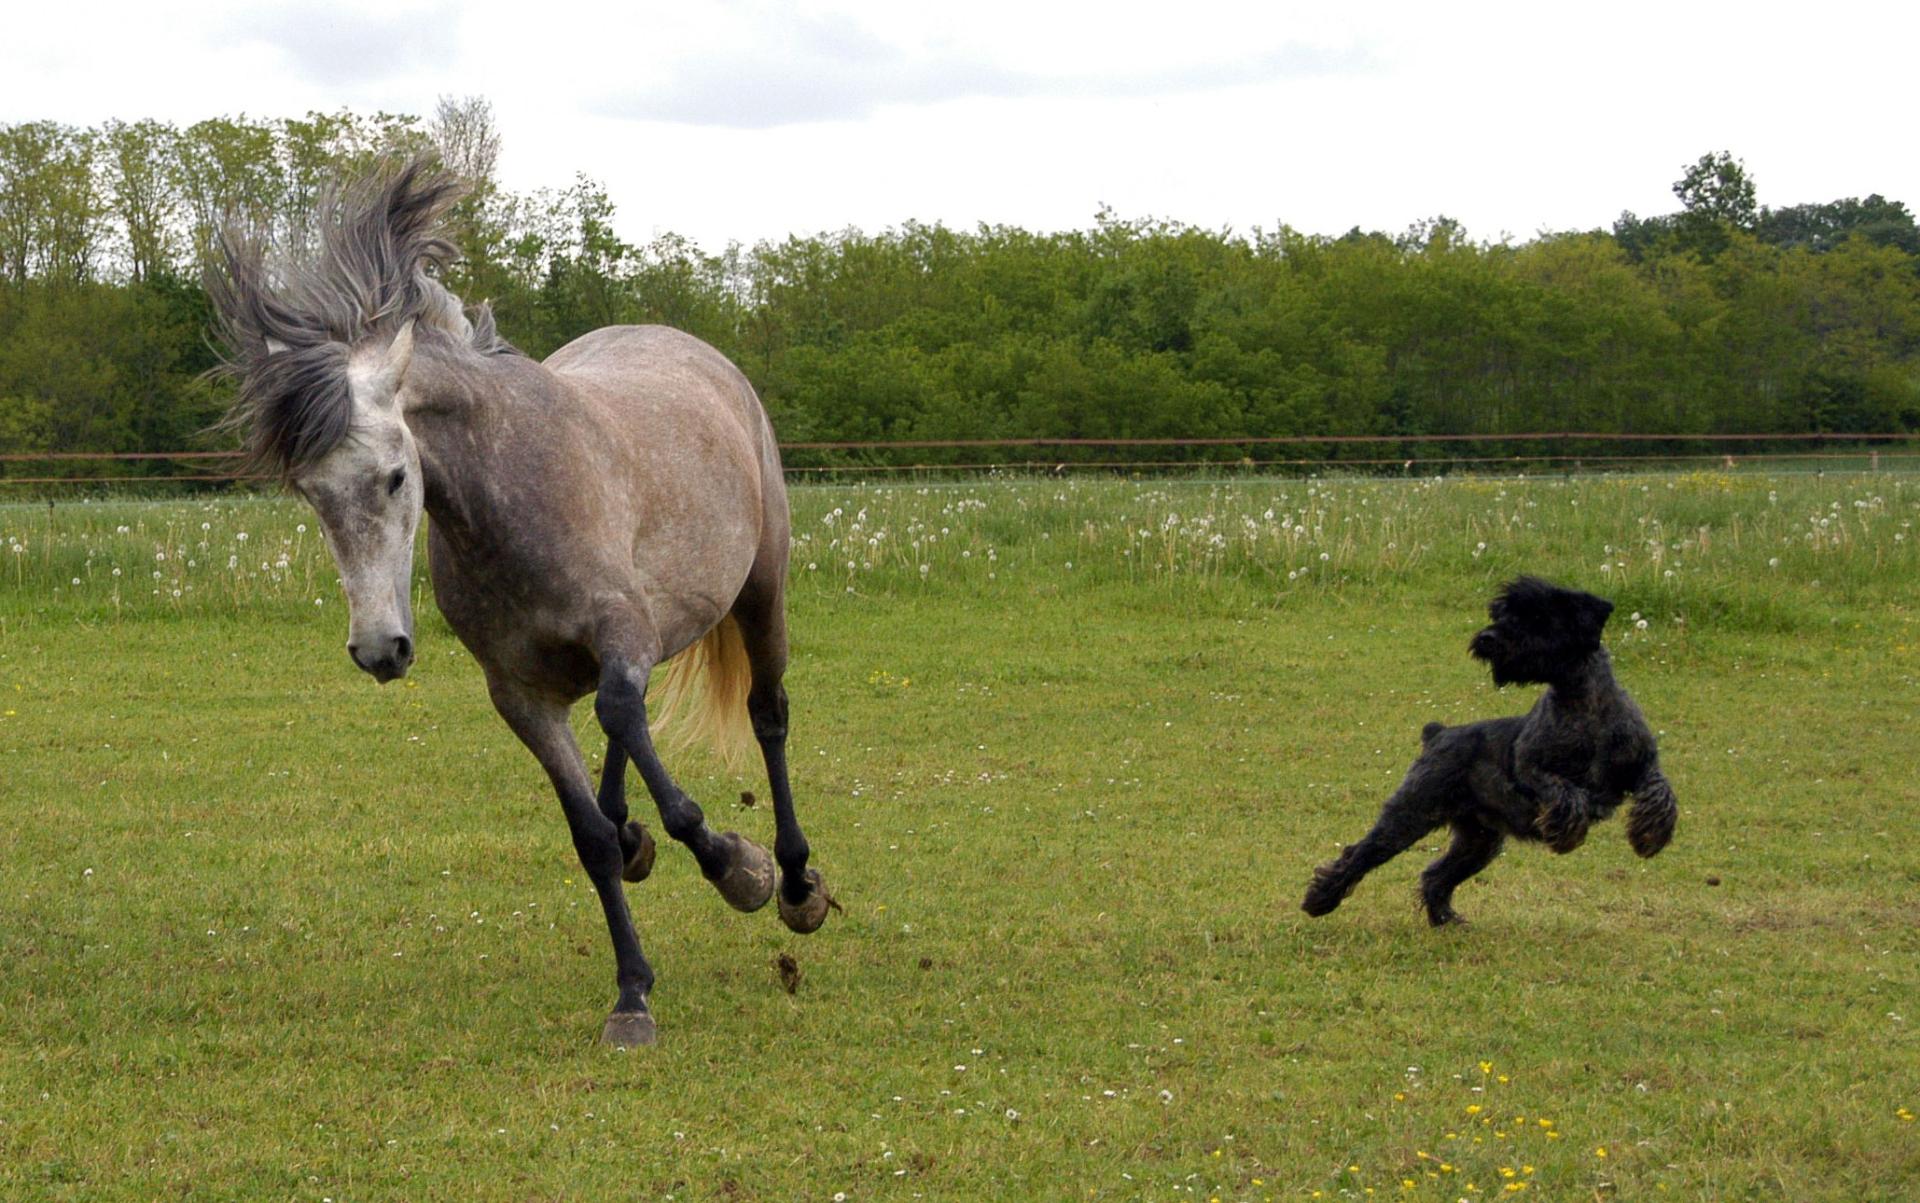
(1544, 775)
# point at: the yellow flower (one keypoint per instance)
(1502, 1079)
(1406, 1184)
(1473, 1108)
(1486, 1067)
(1399, 1096)
(1600, 1151)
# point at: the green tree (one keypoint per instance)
(139, 158)
(1716, 198)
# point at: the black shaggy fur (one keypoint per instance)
(1545, 775)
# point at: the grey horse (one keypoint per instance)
(593, 516)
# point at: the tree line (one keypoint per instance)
(1722, 316)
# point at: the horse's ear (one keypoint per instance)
(393, 363)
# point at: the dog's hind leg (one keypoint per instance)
(1401, 823)
(1474, 847)
(1650, 821)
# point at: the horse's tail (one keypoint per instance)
(703, 695)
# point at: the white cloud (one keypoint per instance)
(736, 119)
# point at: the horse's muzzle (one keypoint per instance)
(385, 659)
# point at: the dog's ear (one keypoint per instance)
(1594, 612)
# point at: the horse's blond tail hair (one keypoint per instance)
(702, 695)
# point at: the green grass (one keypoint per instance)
(269, 932)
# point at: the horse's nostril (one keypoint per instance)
(353, 650)
(403, 649)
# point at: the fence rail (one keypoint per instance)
(1550, 450)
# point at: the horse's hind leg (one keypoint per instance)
(636, 845)
(763, 630)
(740, 869)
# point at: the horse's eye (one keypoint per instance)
(394, 482)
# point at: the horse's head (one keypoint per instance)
(368, 493)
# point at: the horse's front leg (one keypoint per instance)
(740, 869)
(542, 726)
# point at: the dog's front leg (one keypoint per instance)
(1650, 822)
(1564, 813)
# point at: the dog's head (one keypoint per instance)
(1539, 631)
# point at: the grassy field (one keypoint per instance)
(1067, 752)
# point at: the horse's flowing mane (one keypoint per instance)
(288, 321)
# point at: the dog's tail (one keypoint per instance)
(1650, 822)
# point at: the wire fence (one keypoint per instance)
(1379, 455)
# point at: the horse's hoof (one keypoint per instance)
(628, 1029)
(811, 912)
(641, 862)
(748, 881)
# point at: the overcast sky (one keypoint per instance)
(726, 120)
